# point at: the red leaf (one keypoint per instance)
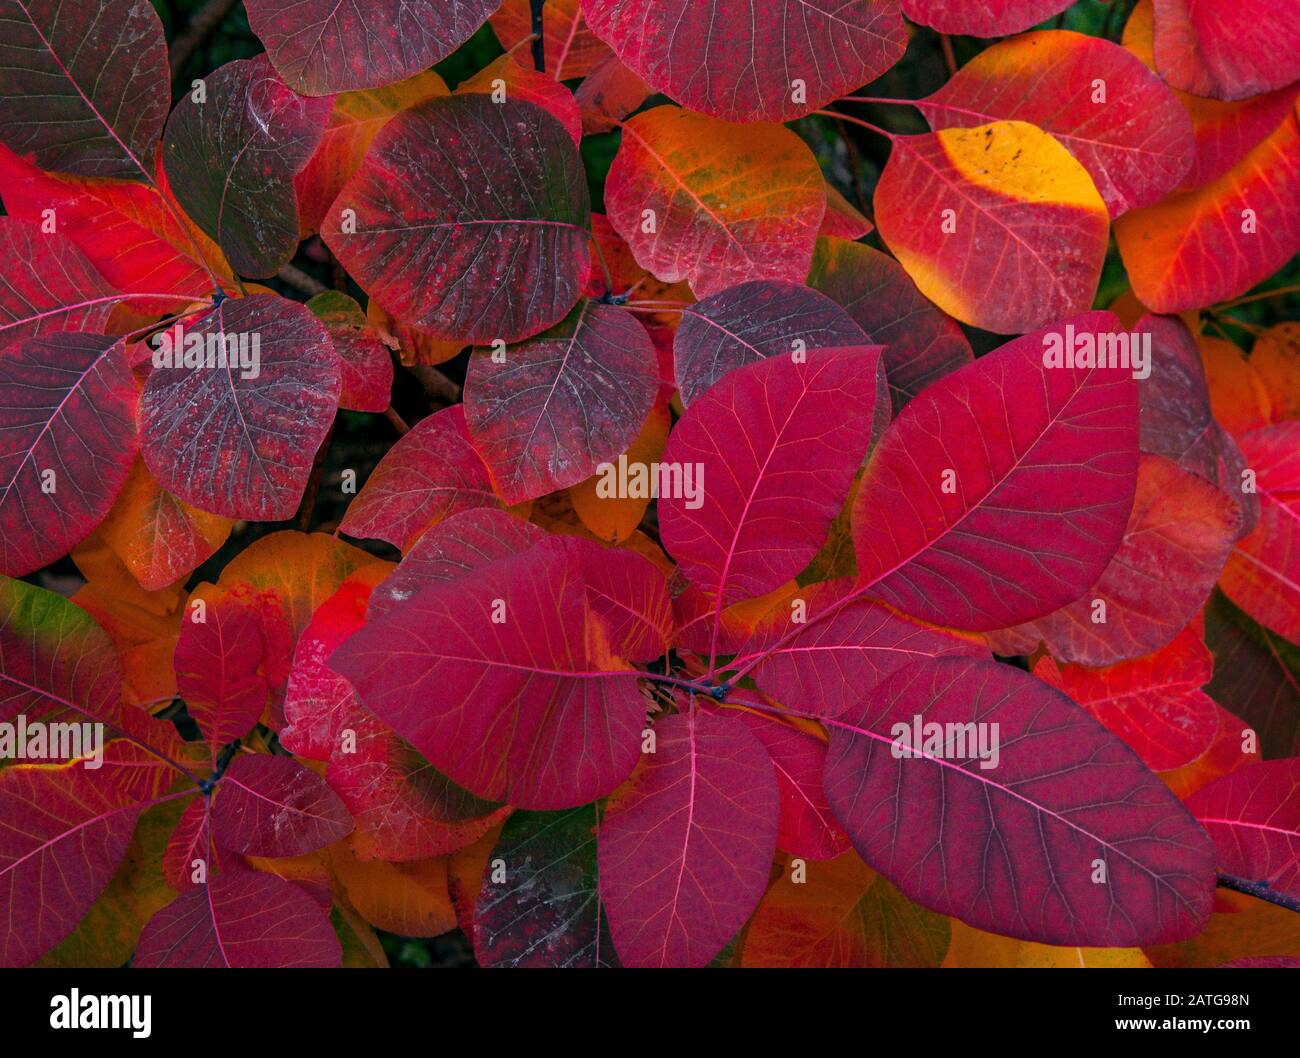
(629, 594)
(1225, 131)
(843, 646)
(563, 402)
(1263, 572)
(1155, 703)
(56, 663)
(83, 85)
(535, 711)
(471, 219)
(49, 285)
(777, 444)
(920, 342)
(318, 702)
(1174, 548)
(219, 671)
(189, 842)
(320, 46)
(430, 474)
(751, 322)
(746, 61)
(451, 549)
(997, 225)
(274, 806)
(518, 81)
(712, 203)
(240, 918)
(1253, 815)
(134, 235)
(806, 826)
(235, 445)
(992, 18)
(364, 361)
(1057, 460)
(1135, 141)
(609, 94)
(1227, 51)
(404, 809)
(1015, 849)
(686, 848)
(63, 832)
(231, 160)
(67, 440)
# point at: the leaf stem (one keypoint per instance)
(399, 424)
(313, 482)
(539, 44)
(1260, 890)
(949, 56)
(858, 121)
(1278, 293)
(301, 281)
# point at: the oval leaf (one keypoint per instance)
(1115, 116)
(685, 850)
(942, 527)
(752, 322)
(1016, 847)
(752, 60)
(67, 440)
(467, 218)
(231, 160)
(239, 440)
(320, 46)
(83, 85)
(998, 225)
(712, 203)
(774, 447)
(562, 403)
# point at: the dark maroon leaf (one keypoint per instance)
(231, 160)
(752, 60)
(231, 443)
(275, 806)
(1017, 848)
(323, 46)
(557, 406)
(921, 342)
(470, 219)
(751, 322)
(83, 85)
(67, 441)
